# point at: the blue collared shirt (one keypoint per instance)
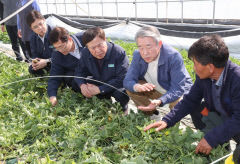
(172, 74)
(216, 93)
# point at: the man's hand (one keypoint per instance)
(203, 147)
(160, 125)
(151, 107)
(94, 90)
(19, 33)
(53, 100)
(85, 91)
(143, 87)
(2, 28)
(41, 63)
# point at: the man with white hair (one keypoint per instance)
(157, 75)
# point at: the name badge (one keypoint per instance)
(111, 65)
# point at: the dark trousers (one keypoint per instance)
(206, 123)
(15, 41)
(120, 96)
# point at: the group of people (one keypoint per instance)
(93, 66)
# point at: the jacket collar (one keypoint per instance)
(226, 69)
(163, 56)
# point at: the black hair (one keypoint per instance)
(58, 33)
(209, 49)
(33, 16)
(91, 33)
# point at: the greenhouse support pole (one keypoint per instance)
(76, 7)
(65, 7)
(47, 6)
(156, 3)
(56, 6)
(102, 7)
(135, 2)
(116, 2)
(88, 9)
(167, 11)
(182, 11)
(214, 7)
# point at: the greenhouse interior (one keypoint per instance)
(53, 110)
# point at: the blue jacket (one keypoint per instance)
(172, 74)
(230, 99)
(62, 65)
(21, 18)
(40, 50)
(114, 68)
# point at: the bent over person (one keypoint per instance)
(64, 60)
(40, 46)
(105, 62)
(216, 92)
(157, 73)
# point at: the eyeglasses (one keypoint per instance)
(40, 24)
(61, 47)
(99, 46)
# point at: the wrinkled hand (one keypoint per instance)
(40, 64)
(143, 87)
(53, 100)
(85, 91)
(2, 28)
(94, 90)
(203, 147)
(160, 125)
(19, 33)
(151, 107)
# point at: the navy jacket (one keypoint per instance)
(114, 68)
(230, 99)
(172, 74)
(62, 65)
(40, 50)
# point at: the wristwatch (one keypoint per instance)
(49, 60)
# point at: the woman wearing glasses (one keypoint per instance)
(40, 46)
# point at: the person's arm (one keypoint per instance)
(36, 6)
(187, 105)
(180, 80)
(34, 47)
(121, 66)
(81, 70)
(132, 76)
(55, 82)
